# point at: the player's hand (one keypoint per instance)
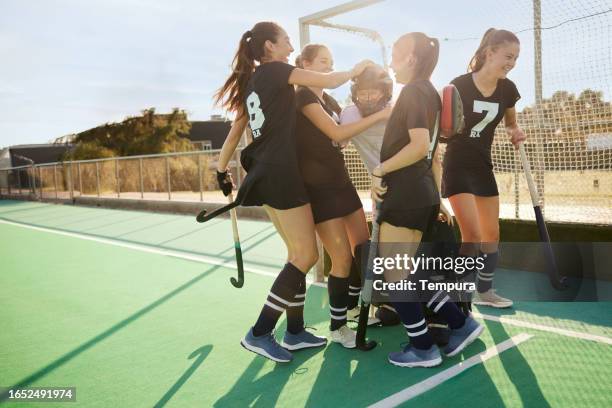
(386, 112)
(378, 189)
(358, 69)
(517, 136)
(224, 179)
(445, 215)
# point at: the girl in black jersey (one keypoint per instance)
(262, 95)
(338, 214)
(468, 180)
(405, 183)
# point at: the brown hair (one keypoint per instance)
(426, 49)
(250, 49)
(492, 38)
(309, 53)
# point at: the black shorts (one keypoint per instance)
(280, 187)
(412, 218)
(480, 182)
(334, 202)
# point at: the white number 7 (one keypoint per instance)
(479, 107)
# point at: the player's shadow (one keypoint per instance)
(251, 389)
(199, 355)
(66, 358)
(518, 369)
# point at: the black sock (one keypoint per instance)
(487, 273)
(282, 293)
(295, 312)
(411, 314)
(440, 303)
(354, 285)
(338, 299)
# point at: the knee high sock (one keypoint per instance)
(487, 273)
(338, 300)
(295, 312)
(411, 314)
(281, 296)
(354, 284)
(439, 303)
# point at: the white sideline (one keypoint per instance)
(563, 332)
(435, 380)
(149, 249)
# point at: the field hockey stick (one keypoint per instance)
(240, 281)
(203, 216)
(557, 281)
(366, 290)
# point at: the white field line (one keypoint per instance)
(152, 250)
(528, 325)
(435, 380)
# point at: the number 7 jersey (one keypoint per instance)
(472, 147)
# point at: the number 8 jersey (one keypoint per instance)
(270, 106)
(472, 148)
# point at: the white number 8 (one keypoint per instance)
(256, 115)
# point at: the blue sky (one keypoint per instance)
(70, 65)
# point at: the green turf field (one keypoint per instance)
(135, 309)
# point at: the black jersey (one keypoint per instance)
(418, 106)
(321, 161)
(472, 147)
(270, 105)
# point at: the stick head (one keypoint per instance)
(201, 217)
(366, 345)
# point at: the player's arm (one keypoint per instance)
(231, 141)
(339, 133)
(329, 80)
(411, 153)
(512, 128)
(436, 167)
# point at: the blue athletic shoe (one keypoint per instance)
(266, 346)
(302, 340)
(460, 338)
(414, 357)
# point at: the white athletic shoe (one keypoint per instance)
(344, 336)
(490, 298)
(352, 315)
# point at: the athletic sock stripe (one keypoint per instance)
(300, 296)
(485, 279)
(439, 305)
(297, 304)
(278, 298)
(273, 306)
(417, 333)
(433, 298)
(486, 274)
(343, 317)
(355, 287)
(337, 309)
(413, 326)
(353, 293)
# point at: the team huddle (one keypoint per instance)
(296, 171)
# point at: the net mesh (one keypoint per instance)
(565, 84)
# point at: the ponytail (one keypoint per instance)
(251, 48)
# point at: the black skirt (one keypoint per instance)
(478, 181)
(279, 186)
(413, 218)
(333, 202)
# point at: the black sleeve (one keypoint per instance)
(303, 97)
(279, 72)
(414, 104)
(512, 94)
